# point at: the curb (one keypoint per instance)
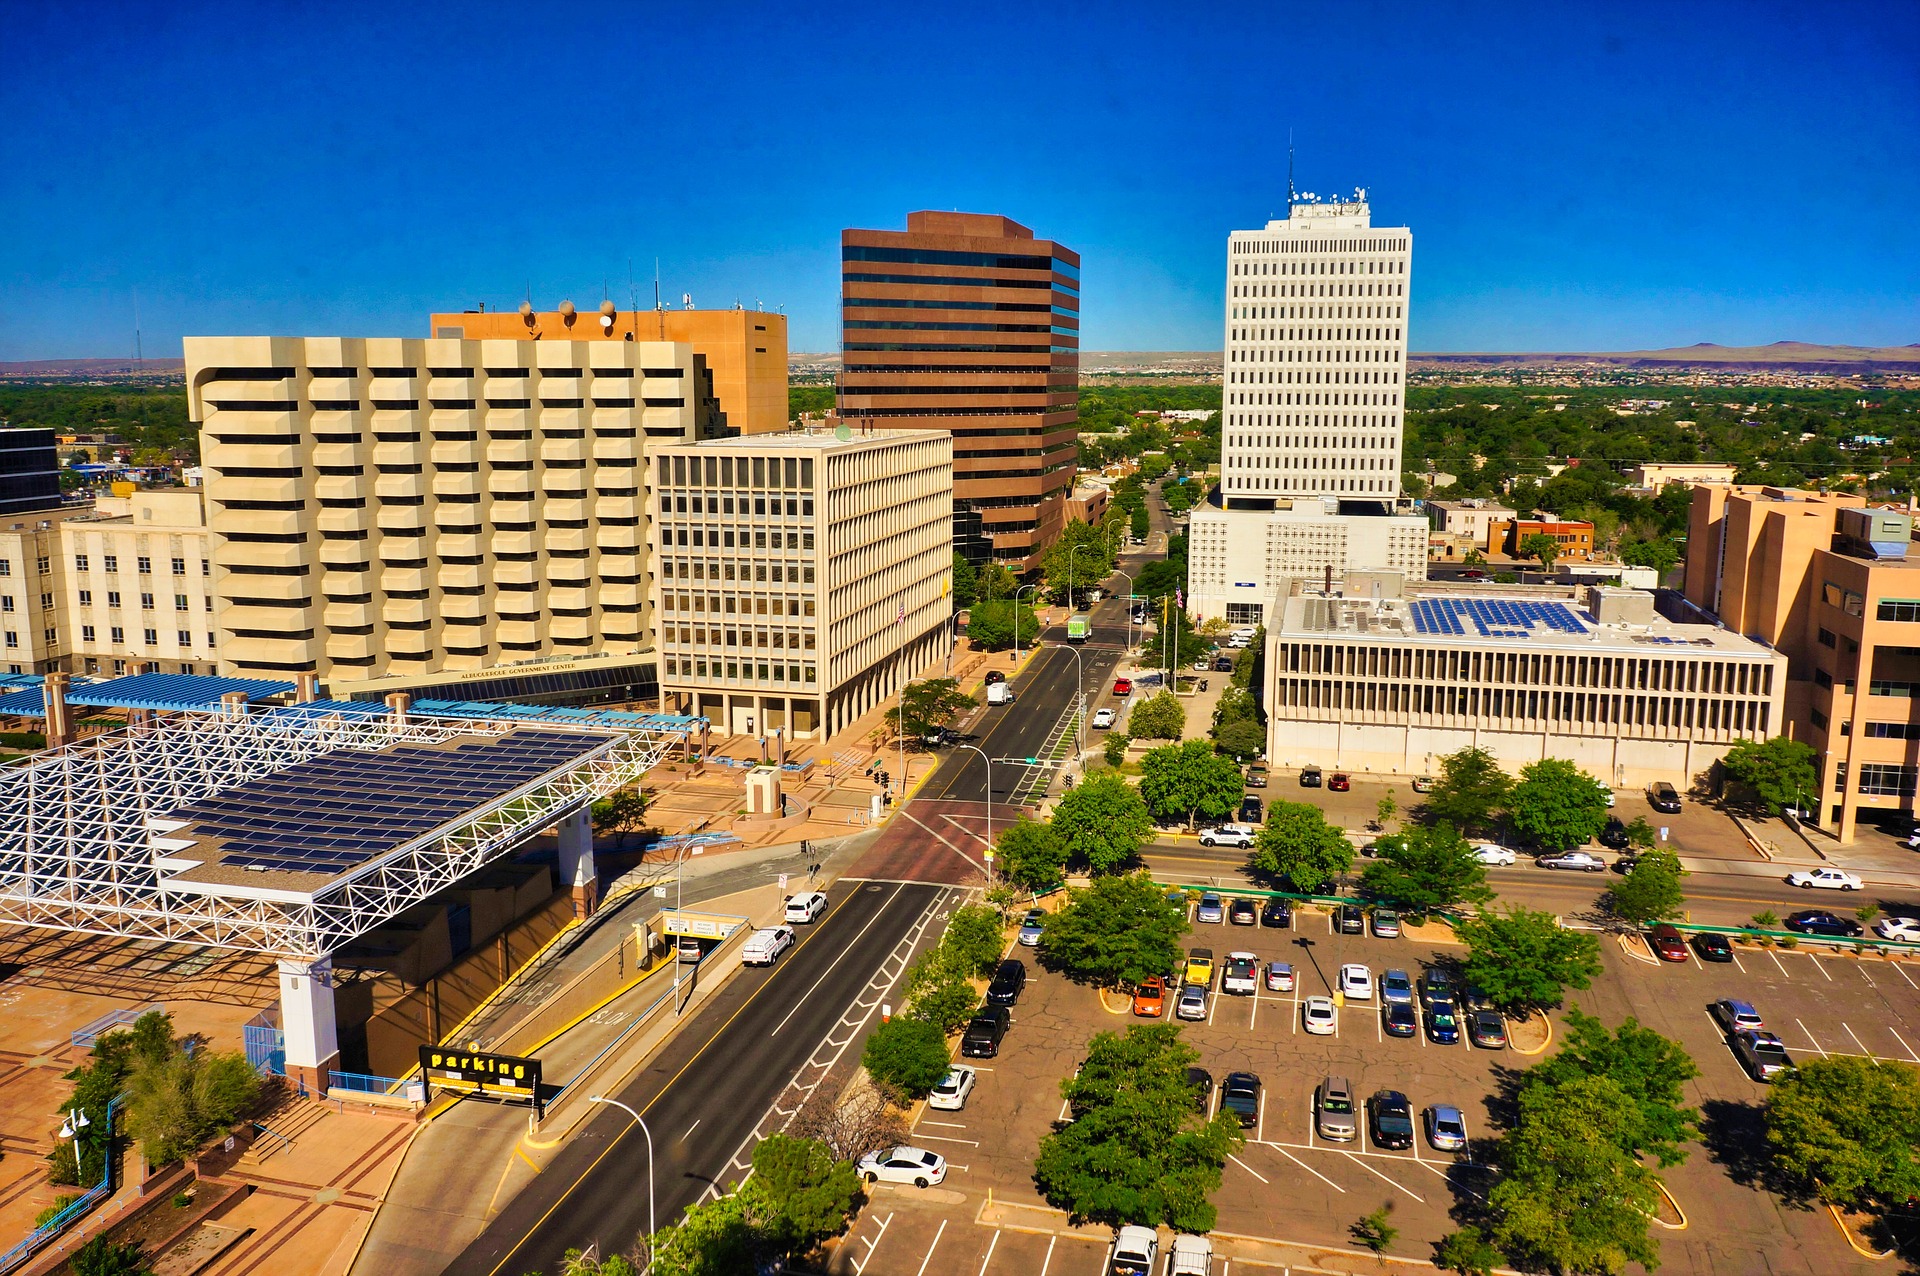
(1857, 1247)
(1681, 1226)
(1542, 1047)
(1632, 950)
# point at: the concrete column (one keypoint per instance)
(233, 704)
(59, 717)
(307, 687)
(306, 1019)
(576, 861)
(398, 703)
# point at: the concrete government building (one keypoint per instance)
(801, 577)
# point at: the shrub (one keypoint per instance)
(907, 1053)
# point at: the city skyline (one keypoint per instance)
(1597, 181)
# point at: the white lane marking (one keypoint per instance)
(1903, 1044)
(942, 1138)
(1738, 965)
(1820, 966)
(1779, 963)
(1248, 1168)
(1816, 1045)
(1260, 1125)
(1864, 975)
(1902, 968)
(877, 914)
(947, 1125)
(1308, 1168)
(936, 1244)
(989, 1258)
(1377, 1174)
(693, 1127)
(860, 1264)
(1213, 1004)
(1856, 1039)
(1253, 1011)
(1051, 1241)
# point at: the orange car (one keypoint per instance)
(1151, 999)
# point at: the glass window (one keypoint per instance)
(1893, 609)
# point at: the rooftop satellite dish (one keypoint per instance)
(843, 432)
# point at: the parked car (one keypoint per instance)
(903, 1165)
(1309, 777)
(1423, 784)
(1575, 861)
(1030, 927)
(1241, 974)
(1252, 810)
(1486, 1029)
(1318, 1017)
(1134, 1253)
(1009, 981)
(1397, 1019)
(1903, 929)
(1338, 782)
(1816, 921)
(1257, 776)
(1396, 985)
(1240, 1095)
(1202, 1082)
(1711, 947)
(1356, 981)
(1350, 920)
(1102, 719)
(982, 1036)
(764, 947)
(1239, 835)
(951, 1094)
(1737, 1015)
(1279, 976)
(1223, 664)
(1150, 998)
(1277, 913)
(1826, 879)
(1498, 856)
(1200, 967)
(1614, 835)
(1209, 909)
(1243, 911)
(1190, 1256)
(1386, 924)
(1192, 1003)
(1123, 686)
(1446, 1128)
(1663, 797)
(1762, 1054)
(1390, 1120)
(805, 907)
(1333, 1110)
(1436, 985)
(1667, 942)
(1443, 1024)
(1606, 793)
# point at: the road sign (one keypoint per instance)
(1663, 832)
(783, 881)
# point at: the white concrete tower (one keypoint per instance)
(1316, 343)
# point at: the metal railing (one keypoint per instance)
(72, 1210)
(282, 1142)
(362, 1083)
(85, 1035)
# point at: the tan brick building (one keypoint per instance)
(138, 585)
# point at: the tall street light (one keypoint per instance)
(989, 761)
(1016, 620)
(1118, 572)
(601, 1098)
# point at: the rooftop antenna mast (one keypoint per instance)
(1290, 191)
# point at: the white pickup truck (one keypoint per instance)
(1134, 1251)
(1190, 1256)
(764, 946)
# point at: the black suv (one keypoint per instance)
(1614, 835)
(1008, 982)
(981, 1040)
(1662, 796)
(1390, 1119)
(1252, 810)
(1277, 914)
(1240, 1095)
(1202, 1082)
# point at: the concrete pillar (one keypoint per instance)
(576, 861)
(233, 704)
(59, 717)
(399, 702)
(306, 687)
(306, 1019)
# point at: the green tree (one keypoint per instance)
(1570, 1199)
(1086, 551)
(1375, 1231)
(907, 1053)
(995, 580)
(1470, 789)
(1118, 931)
(966, 582)
(946, 1004)
(990, 625)
(1159, 717)
(104, 1076)
(1385, 809)
(929, 703)
(1138, 523)
(103, 1257)
(179, 1097)
(1030, 853)
(1778, 772)
(1115, 747)
(1660, 553)
(1848, 1129)
(1651, 1069)
(620, 814)
(1541, 546)
(1640, 834)
(1102, 822)
(1556, 805)
(975, 938)
(798, 1194)
(587, 1262)
(1424, 870)
(1136, 1152)
(1240, 739)
(1191, 780)
(1298, 844)
(1524, 960)
(1650, 892)
(716, 1238)
(1466, 1251)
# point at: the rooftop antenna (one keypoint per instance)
(1290, 191)
(138, 358)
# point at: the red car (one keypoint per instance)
(1667, 942)
(1123, 686)
(1338, 782)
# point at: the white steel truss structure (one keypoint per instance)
(77, 838)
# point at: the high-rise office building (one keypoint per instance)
(1316, 353)
(967, 323)
(29, 472)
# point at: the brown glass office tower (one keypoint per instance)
(966, 322)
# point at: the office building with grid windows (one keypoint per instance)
(139, 585)
(801, 576)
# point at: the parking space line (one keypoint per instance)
(1248, 1168)
(1856, 1039)
(1213, 1004)
(1051, 1242)
(936, 1244)
(860, 1264)
(1810, 1037)
(1308, 1168)
(989, 1258)
(1779, 963)
(1310, 1123)
(1903, 1044)
(1260, 1122)
(942, 1138)
(1861, 967)
(1377, 1174)
(1902, 968)
(1820, 966)
(946, 1125)
(1737, 963)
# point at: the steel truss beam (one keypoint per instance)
(76, 849)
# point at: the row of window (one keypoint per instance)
(735, 670)
(793, 573)
(151, 637)
(180, 601)
(1317, 246)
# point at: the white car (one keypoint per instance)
(764, 947)
(1240, 835)
(951, 1094)
(804, 908)
(1319, 1016)
(1488, 853)
(1190, 1256)
(1906, 929)
(1829, 879)
(1192, 1003)
(903, 1165)
(1356, 981)
(1102, 719)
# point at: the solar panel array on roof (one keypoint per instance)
(341, 809)
(1493, 617)
(172, 691)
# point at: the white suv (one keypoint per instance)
(805, 908)
(1240, 835)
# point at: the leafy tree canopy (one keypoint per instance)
(990, 625)
(1030, 853)
(1298, 844)
(1425, 869)
(1159, 717)
(1541, 546)
(621, 814)
(1556, 805)
(1650, 892)
(1241, 739)
(715, 1238)
(1650, 1069)
(1848, 1129)
(1470, 789)
(1102, 822)
(1524, 960)
(929, 703)
(966, 582)
(1189, 779)
(1086, 551)
(907, 1053)
(1778, 772)
(798, 1193)
(1118, 931)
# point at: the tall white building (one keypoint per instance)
(1316, 354)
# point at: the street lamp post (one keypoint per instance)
(1016, 619)
(1118, 572)
(601, 1098)
(989, 761)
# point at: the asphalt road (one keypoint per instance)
(702, 1096)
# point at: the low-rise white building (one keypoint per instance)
(1237, 558)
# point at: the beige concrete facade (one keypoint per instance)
(139, 578)
(33, 584)
(1359, 683)
(1469, 518)
(745, 351)
(801, 576)
(393, 509)
(1661, 473)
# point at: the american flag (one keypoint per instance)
(900, 618)
(1179, 598)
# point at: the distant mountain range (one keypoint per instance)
(1782, 356)
(94, 370)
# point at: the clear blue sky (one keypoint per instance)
(1620, 177)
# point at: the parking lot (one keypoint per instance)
(1289, 1196)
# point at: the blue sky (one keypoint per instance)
(1600, 177)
